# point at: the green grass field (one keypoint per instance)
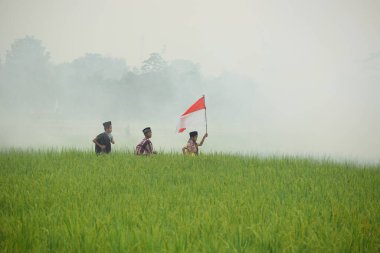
(74, 201)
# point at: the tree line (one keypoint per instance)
(92, 85)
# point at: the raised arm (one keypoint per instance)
(203, 139)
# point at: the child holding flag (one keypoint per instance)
(191, 113)
(192, 145)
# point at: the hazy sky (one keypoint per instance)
(250, 37)
(315, 64)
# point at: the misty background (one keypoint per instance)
(296, 77)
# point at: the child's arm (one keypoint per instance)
(203, 139)
(98, 144)
(184, 150)
(111, 139)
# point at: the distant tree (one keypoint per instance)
(154, 76)
(27, 55)
(95, 67)
(27, 64)
(155, 63)
(185, 71)
(93, 80)
(26, 77)
(148, 86)
(186, 78)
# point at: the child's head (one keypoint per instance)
(107, 127)
(193, 135)
(147, 132)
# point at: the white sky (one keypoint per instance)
(248, 37)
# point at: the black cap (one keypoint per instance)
(146, 130)
(194, 133)
(107, 124)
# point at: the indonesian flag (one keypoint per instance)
(192, 115)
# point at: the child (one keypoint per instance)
(103, 141)
(145, 147)
(192, 145)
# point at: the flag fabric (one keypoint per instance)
(191, 114)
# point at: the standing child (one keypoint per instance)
(192, 145)
(103, 141)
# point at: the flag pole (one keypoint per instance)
(205, 112)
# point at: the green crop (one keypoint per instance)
(75, 201)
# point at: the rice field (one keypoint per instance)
(75, 201)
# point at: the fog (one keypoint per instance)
(291, 78)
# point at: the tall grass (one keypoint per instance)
(72, 201)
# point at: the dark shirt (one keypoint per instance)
(103, 139)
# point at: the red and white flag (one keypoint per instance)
(192, 116)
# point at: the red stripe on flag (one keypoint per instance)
(181, 130)
(199, 105)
